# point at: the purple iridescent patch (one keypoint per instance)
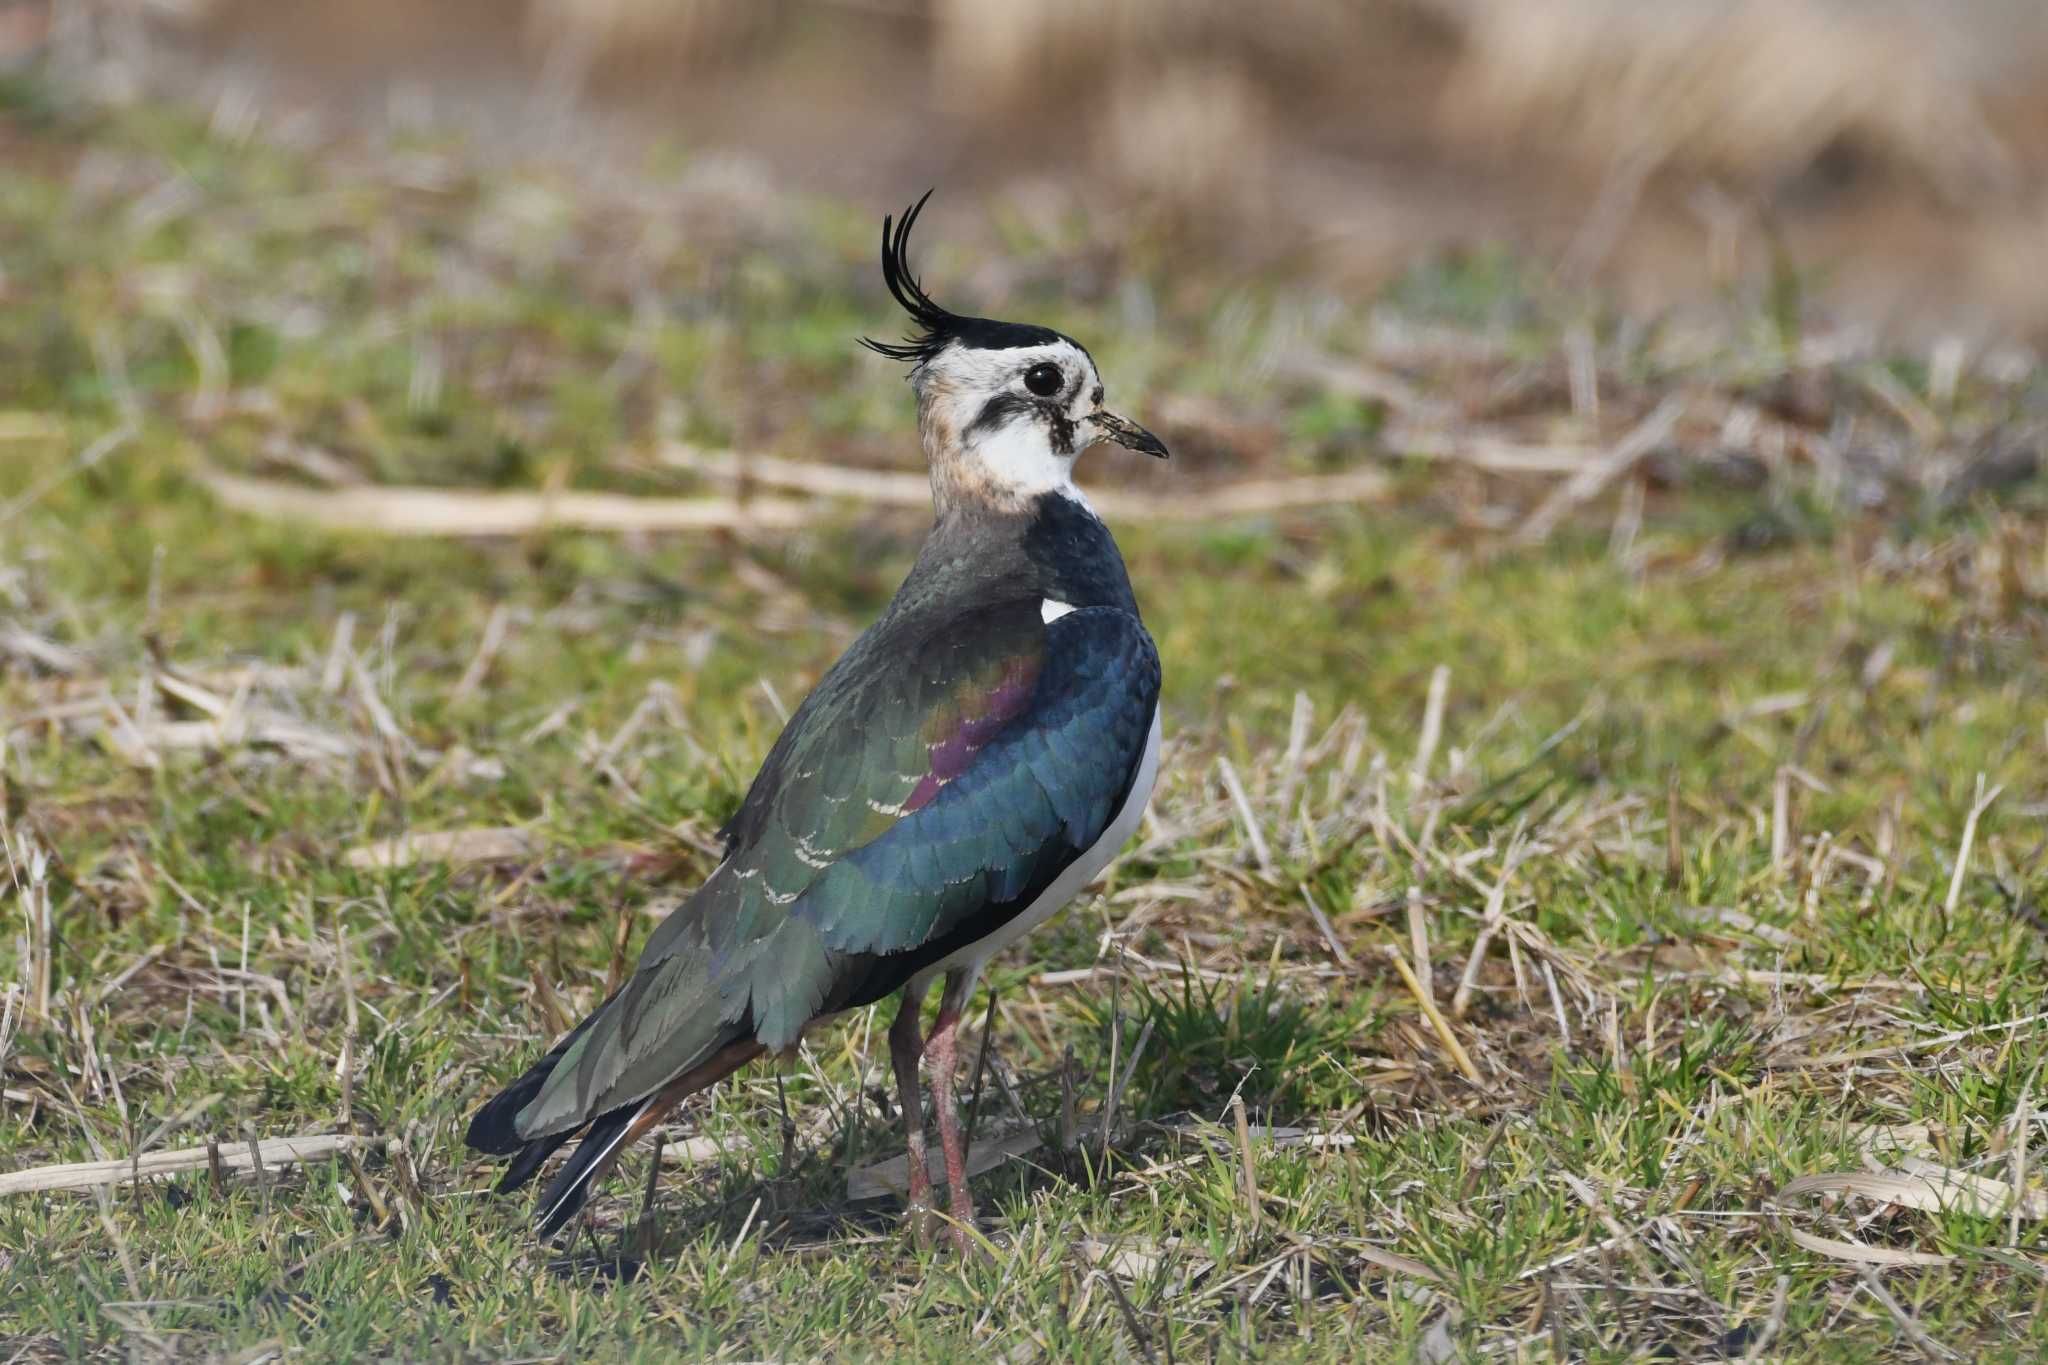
(978, 724)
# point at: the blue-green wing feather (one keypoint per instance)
(1040, 793)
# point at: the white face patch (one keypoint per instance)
(1053, 611)
(992, 431)
(1018, 459)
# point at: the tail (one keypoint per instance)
(494, 1129)
(602, 1142)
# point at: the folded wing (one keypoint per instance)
(935, 782)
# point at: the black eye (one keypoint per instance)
(1044, 379)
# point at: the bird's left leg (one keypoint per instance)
(943, 1051)
(905, 1047)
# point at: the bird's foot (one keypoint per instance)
(918, 1209)
(960, 1223)
(923, 1223)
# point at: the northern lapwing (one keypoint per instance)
(972, 762)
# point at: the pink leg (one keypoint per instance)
(943, 1047)
(905, 1047)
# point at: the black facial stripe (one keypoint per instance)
(1062, 431)
(998, 411)
(1001, 409)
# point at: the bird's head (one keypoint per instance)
(1003, 408)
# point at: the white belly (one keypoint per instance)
(1067, 885)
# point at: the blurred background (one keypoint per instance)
(1664, 149)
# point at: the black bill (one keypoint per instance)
(1126, 433)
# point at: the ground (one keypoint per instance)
(1590, 909)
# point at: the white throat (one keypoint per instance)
(1018, 461)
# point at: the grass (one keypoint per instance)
(1690, 830)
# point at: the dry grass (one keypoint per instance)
(1756, 91)
(1572, 923)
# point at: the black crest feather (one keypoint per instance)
(936, 325)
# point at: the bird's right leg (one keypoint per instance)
(906, 1047)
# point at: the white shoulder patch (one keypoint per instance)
(1053, 611)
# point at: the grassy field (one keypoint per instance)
(1615, 901)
